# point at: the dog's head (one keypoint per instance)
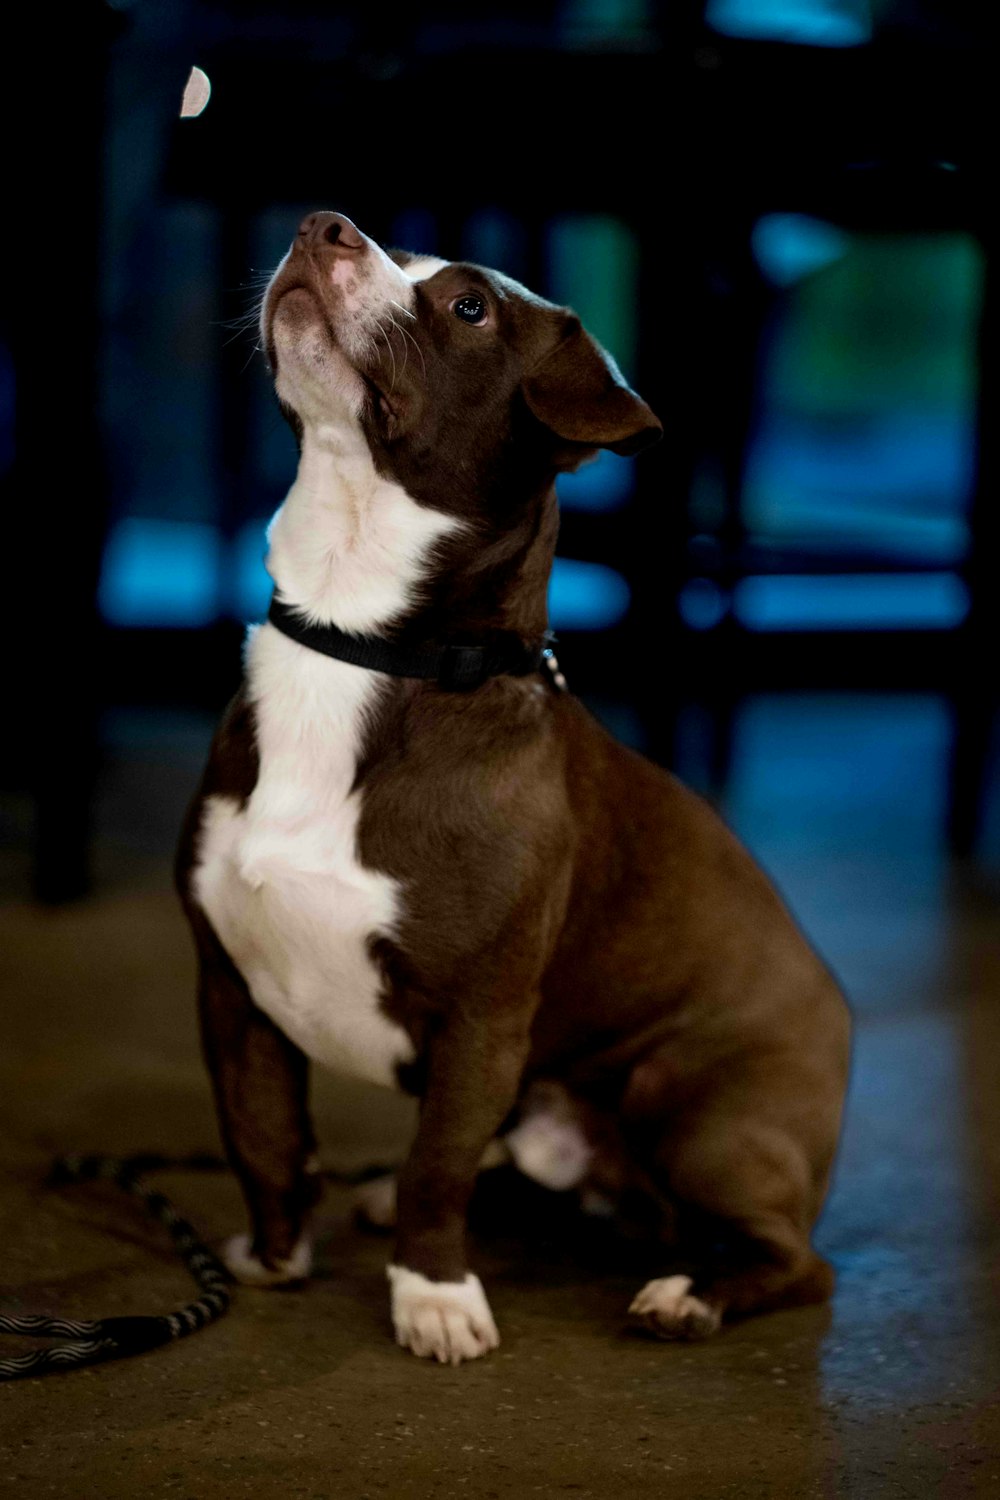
(440, 366)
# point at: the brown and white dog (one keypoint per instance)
(481, 896)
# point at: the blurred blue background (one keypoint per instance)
(774, 213)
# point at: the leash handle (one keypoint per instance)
(116, 1338)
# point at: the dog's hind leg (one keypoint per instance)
(260, 1080)
(752, 1189)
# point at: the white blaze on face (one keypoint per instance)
(424, 266)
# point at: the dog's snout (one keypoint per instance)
(330, 229)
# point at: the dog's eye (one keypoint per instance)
(470, 309)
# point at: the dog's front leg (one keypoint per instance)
(439, 1309)
(260, 1081)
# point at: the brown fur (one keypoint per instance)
(572, 912)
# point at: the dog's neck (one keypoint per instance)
(352, 549)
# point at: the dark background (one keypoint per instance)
(775, 213)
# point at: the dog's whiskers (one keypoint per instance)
(256, 348)
(408, 335)
(406, 347)
(245, 322)
(392, 355)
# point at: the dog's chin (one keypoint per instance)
(291, 314)
(310, 362)
(313, 375)
(297, 329)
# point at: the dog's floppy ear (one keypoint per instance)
(579, 393)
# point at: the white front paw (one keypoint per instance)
(444, 1320)
(249, 1269)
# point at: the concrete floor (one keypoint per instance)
(892, 1391)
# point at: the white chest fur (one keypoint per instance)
(280, 879)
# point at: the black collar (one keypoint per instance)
(455, 668)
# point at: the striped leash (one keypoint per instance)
(116, 1338)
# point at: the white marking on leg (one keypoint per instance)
(666, 1308)
(444, 1320)
(251, 1270)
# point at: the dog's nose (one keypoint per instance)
(330, 229)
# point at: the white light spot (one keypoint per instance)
(197, 92)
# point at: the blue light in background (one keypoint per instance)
(812, 23)
(252, 583)
(879, 483)
(702, 604)
(586, 596)
(790, 246)
(861, 601)
(594, 269)
(163, 573)
(603, 484)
